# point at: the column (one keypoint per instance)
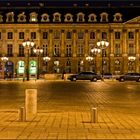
(86, 43)
(62, 43)
(124, 51)
(74, 43)
(111, 49)
(137, 51)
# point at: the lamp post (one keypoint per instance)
(102, 45)
(94, 52)
(28, 44)
(4, 59)
(46, 58)
(131, 61)
(38, 51)
(89, 59)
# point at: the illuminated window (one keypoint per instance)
(68, 50)
(131, 49)
(56, 50)
(80, 50)
(45, 50)
(33, 17)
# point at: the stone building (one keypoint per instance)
(67, 33)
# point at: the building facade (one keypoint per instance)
(67, 37)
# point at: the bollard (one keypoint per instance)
(22, 114)
(94, 115)
(30, 104)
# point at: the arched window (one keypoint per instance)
(117, 17)
(22, 17)
(10, 17)
(104, 17)
(57, 17)
(80, 17)
(45, 18)
(33, 17)
(68, 18)
(92, 18)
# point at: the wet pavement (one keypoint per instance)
(64, 110)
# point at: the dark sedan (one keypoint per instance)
(129, 77)
(85, 76)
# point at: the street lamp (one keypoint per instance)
(38, 51)
(4, 59)
(89, 59)
(102, 45)
(28, 44)
(46, 58)
(131, 61)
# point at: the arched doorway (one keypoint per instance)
(33, 68)
(21, 68)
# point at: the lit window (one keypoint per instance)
(33, 17)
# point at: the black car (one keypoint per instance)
(85, 76)
(129, 77)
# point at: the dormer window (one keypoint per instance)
(117, 17)
(10, 17)
(1, 18)
(45, 18)
(92, 18)
(104, 17)
(68, 18)
(22, 17)
(33, 17)
(80, 17)
(57, 17)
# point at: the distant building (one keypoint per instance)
(67, 33)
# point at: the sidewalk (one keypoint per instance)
(70, 125)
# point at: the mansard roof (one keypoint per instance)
(128, 9)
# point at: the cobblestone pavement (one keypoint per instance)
(65, 112)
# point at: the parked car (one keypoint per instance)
(107, 75)
(129, 77)
(85, 76)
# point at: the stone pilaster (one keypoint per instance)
(62, 43)
(86, 43)
(137, 51)
(74, 43)
(50, 47)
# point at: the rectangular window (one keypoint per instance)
(130, 35)
(45, 35)
(56, 50)
(80, 50)
(56, 35)
(9, 50)
(10, 35)
(45, 50)
(68, 35)
(104, 35)
(21, 50)
(21, 35)
(92, 35)
(68, 50)
(117, 50)
(33, 35)
(117, 35)
(80, 35)
(131, 49)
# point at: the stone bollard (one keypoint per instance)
(30, 104)
(94, 115)
(21, 114)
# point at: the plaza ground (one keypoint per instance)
(64, 110)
